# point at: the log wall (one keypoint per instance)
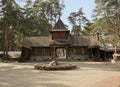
(41, 51)
(61, 35)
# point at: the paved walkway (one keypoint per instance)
(88, 74)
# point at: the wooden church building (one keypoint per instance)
(60, 44)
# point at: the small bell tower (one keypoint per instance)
(59, 32)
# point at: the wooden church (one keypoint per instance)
(60, 44)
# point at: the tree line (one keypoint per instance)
(35, 18)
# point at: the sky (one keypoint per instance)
(74, 5)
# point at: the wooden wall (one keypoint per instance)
(59, 35)
(74, 51)
(25, 54)
(41, 51)
(79, 50)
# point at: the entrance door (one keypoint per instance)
(95, 54)
(61, 52)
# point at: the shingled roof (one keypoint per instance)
(42, 41)
(84, 40)
(39, 41)
(74, 40)
(59, 26)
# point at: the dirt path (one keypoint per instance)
(87, 74)
(113, 81)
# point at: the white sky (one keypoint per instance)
(74, 6)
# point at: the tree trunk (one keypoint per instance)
(6, 45)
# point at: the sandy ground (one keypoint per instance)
(13, 54)
(87, 74)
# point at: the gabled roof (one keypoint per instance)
(42, 41)
(38, 41)
(62, 41)
(85, 40)
(59, 25)
(74, 40)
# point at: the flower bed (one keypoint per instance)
(59, 66)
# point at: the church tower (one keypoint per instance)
(59, 32)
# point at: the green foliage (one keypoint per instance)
(9, 17)
(76, 30)
(89, 29)
(107, 19)
(78, 20)
(34, 18)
